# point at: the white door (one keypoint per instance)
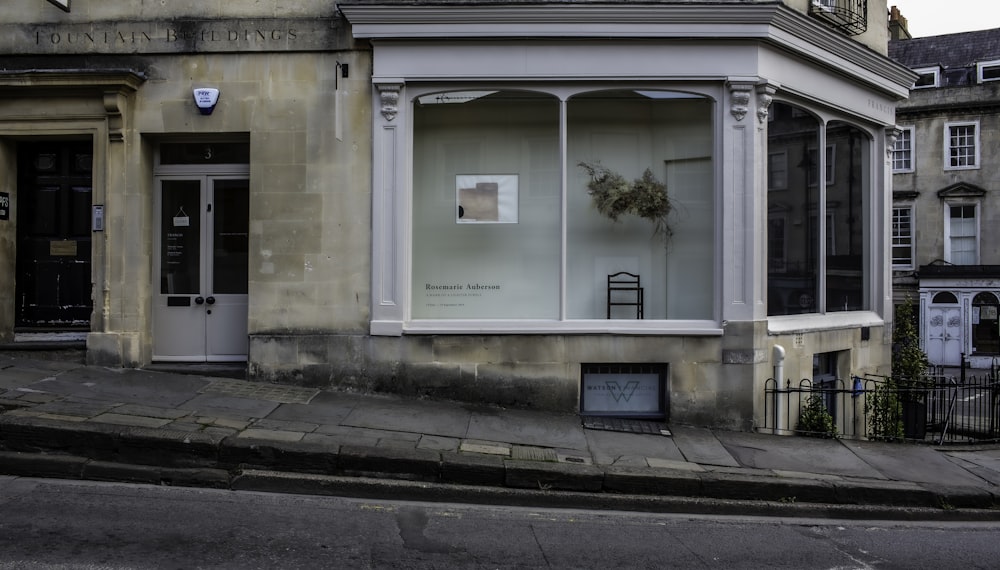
(944, 335)
(200, 294)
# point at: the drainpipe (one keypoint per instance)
(778, 357)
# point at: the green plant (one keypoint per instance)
(909, 361)
(614, 196)
(885, 412)
(887, 403)
(815, 420)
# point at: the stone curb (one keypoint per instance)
(86, 450)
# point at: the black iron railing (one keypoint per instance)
(938, 408)
(848, 16)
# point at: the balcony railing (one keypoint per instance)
(848, 16)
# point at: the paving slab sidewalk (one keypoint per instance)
(82, 414)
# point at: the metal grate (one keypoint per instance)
(260, 391)
(626, 425)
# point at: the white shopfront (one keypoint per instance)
(483, 223)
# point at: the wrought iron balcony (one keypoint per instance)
(848, 16)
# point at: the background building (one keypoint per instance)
(946, 177)
(388, 195)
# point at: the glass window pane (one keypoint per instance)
(486, 211)
(985, 324)
(230, 234)
(962, 234)
(945, 298)
(629, 133)
(846, 236)
(902, 236)
(792, 281)
(180, 237)
(962, 145)
(902, 151)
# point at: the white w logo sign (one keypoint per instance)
(618, 393)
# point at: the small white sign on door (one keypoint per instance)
(181, 219)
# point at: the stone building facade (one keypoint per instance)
(946, 213)
(388, 195)
(99, 119)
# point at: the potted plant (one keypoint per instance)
(614, 196)
(815, 420)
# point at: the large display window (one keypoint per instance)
(819, 237)
(504, 222)
(503, 146)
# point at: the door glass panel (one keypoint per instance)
(230, 237)
(180, 234)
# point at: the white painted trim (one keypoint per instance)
(772, 23)
(386, 328)
(980, 66)
(638, 327)
(935, 71)
(823, 322)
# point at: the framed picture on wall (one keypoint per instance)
(486, 198)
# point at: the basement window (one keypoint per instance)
(630, 390)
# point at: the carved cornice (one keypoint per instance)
(891, 136)
(114, 103)
(124, 80)
(961, 190)
(765, 94)
(113, 87)
(739, 99)
(389, 97)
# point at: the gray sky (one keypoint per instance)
(936, 17)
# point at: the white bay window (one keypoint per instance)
(498, 235)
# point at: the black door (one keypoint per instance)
(53, 235)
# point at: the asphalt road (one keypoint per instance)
(50, 524)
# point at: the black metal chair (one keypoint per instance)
(625, 290)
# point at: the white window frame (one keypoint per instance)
(984, 65)
(393, 276)
(947, 145)
(947, 230)
(899, 240)
(934, 71)
(897, 150)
